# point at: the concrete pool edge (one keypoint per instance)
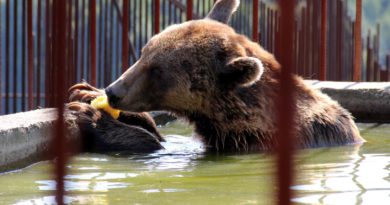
(25, 137)
(367, 101)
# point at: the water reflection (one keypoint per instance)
(184, 173)
(50, 200)
(353, 177)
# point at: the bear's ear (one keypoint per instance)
(222, 10)
(241, 71)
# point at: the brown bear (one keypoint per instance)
(225, 85)
(133, 132)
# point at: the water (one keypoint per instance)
(183, 174)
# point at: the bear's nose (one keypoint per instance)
(112, 98)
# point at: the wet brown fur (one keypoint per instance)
(133, 132)
(180, 71)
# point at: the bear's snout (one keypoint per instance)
(112, 98)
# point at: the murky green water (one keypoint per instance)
(182, 174)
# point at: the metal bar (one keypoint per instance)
(92, 38)
(39, 60)
(111, 41)
(146, 23)
(156, 16)
(189, 10)
(285, 140)
(69, 42)
(59, 147)
(125, 30)
(368, 62)
(76, 40)
(15, 76)
(1, 62)
(140, 26)
(7, 68)
(388, 67)
(24, 55)
(82, 67)
(100, 51)
(47, 53)
(105, 52)
(358, 42)
(30, 48)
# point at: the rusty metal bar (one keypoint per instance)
(92, 38)
(285, 117)
(24, 4)
(358, 41)
(189, 10)
(105, 52)
(1, 63)
(323, 39)
(15, 76)
(30, 48)
(39, 33)
(111, 55)
(125, 30)
(368, 62)
(47, 37)
(140, 26)
(69, 42)
(7, 51)
(82, 67)
(388, 67)
(59, 43)
(156, 16)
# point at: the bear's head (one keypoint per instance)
(187, 64)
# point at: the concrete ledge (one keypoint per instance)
(367, 101)
(25, 137)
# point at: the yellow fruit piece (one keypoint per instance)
(101, 102)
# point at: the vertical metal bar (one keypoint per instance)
(59, 44)
(358, 42)
(69, 44)
(255, 21)
(38, 99)
(30, 54)
(111, 41)
(105, 67)
(146, 23)
(285, 118)
(15, 77)
(323, 39)
(157, 16)
(76, 40)
(1, 62)
(24, 4)
(125, 31)
(388, 67)
(82, 68)
(118, 68)
(47, 53)
(189, 10)
(101, 67)
(140, 33)
(7, 68)
(92, 38)
(368, 62)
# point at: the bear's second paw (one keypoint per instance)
(85, 114)
(84, 92)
